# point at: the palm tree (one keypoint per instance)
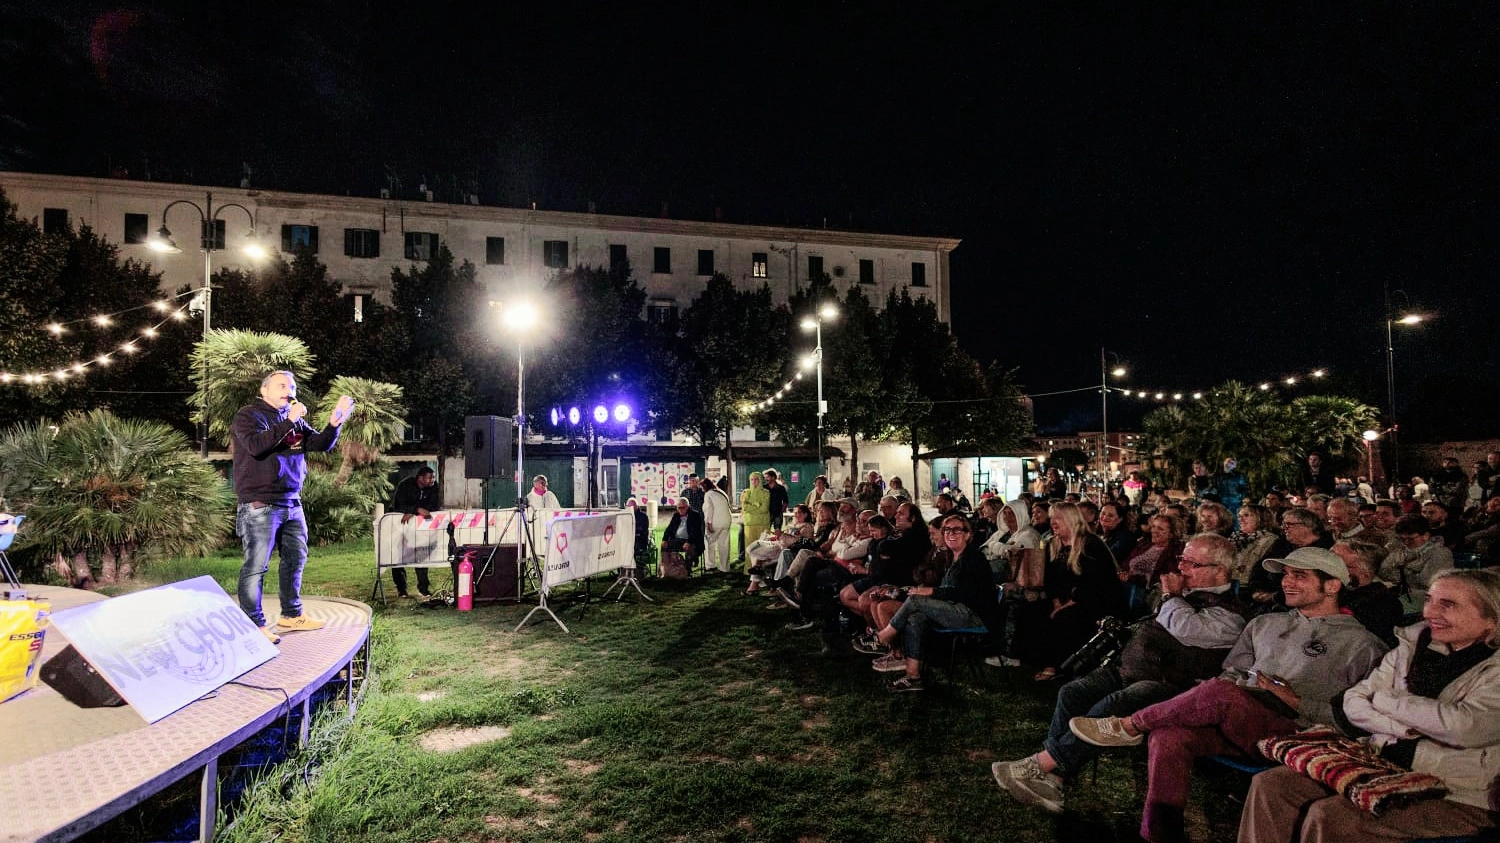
(374, 425)
(106, 495)
(229, 365)
(1332, 424)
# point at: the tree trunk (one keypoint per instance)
(125, 567)
(81, 576)
(62, 567)
(107, 564)
(916, 484)
(854, 458)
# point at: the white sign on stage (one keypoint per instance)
(580, 546)
(163, 648)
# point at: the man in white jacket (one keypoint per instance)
(716, 524)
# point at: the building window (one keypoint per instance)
(619, 258)
(295, 238)
(662, 312)
(421, 245)
(662, 265)
(54, 220)
(359, 306)
(762, 434)
(555, 254)
(814, 267)
(494, 251)
(705, 261)
(866, 271)
(137, 228)
(918, 274)
(758, 264)
(361, 243)
(212, 235)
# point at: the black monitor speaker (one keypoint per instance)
(487, 450)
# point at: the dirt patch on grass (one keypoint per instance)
(587, 768)
(730, 689)
(510, 667)
(810, 700)
(452, 740)
(430, 696)
(818, 722)
(541, 797)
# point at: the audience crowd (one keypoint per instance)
(1314, 622)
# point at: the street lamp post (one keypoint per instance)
(1104, 373)
(163, 242)
(827, 312)
(520, 317)
(1390, 374)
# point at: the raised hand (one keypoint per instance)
(341, 410)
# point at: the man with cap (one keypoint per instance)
(1280, 676)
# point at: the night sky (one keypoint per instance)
(1210, 194)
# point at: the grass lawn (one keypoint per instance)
(694, 718)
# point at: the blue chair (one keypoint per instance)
(8, 526)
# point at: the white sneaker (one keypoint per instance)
(1025, 781)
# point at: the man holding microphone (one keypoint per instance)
(271, 437)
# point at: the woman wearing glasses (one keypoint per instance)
(965, 598)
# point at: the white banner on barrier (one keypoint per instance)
(423, 542)
(580, 546)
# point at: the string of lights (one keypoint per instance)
(752, 406)
(1290, 380)
(79, 368)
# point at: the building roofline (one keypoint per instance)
(524, 216)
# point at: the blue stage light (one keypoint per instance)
(622, 412)
(574, 416)
(601, 414)
(556, 416)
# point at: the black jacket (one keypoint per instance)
(694, 528)
(269, 453)
(411, 497)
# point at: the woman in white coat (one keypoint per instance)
(1431, 706)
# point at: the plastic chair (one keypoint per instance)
(8, 526)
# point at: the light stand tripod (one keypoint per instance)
(521, 316)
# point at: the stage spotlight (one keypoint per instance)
(574, 415)
(622, 412)
(557, 417)
(601, 414)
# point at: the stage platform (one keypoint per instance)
(65, 770)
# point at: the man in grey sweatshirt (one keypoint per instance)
(1281, 675)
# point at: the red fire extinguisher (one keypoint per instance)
(465, 584)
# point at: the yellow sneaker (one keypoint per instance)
(301, 623)
(270, 636)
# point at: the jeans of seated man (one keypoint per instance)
(1100, 693)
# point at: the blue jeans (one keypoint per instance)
(920, 613)
(279, 527)
(1101, 693)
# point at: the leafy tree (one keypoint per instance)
(105, 496)
(373, 426)
(1332, 424)
(720, 361)
(229, 365)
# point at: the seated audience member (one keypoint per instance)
(1343, 519)
(684, 533)
(1114, 528)
(1413, 565)
(885, 601)
(1155, 554)
(1040, 521)
(1318, 503)
(1300, 527)
(986, 521)
(1253, 540)
(1443, 527)
(1186, 642)
(1432, 706)
(1300, 659)
(820, 492)
(1387, 512)
(897, 490)
(888, 506)
(1373, 603)
(808, 562)
(965, 598)
(1215, 518)
(1183, 514)
(1275, 500)
(764, 552)
(1483, 536)
(1015, 533)
(1082, 586)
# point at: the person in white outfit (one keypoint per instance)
(717, 519)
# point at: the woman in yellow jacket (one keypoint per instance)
(755, 507)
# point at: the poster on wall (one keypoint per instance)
(659, 482)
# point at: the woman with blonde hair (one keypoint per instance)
(1253, 540)
(1082, 586)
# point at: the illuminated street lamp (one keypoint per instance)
(1104, 373)
(208, 215)
(520, 317)
(1391, 319)
(826, 313)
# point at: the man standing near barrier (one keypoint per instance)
(271, 438)
(415, 496)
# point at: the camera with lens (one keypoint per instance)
(1102, 649)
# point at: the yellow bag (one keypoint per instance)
(23, 626)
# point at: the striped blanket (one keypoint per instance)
(1351, 769)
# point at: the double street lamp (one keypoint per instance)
(209, 218)
(827, 312)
